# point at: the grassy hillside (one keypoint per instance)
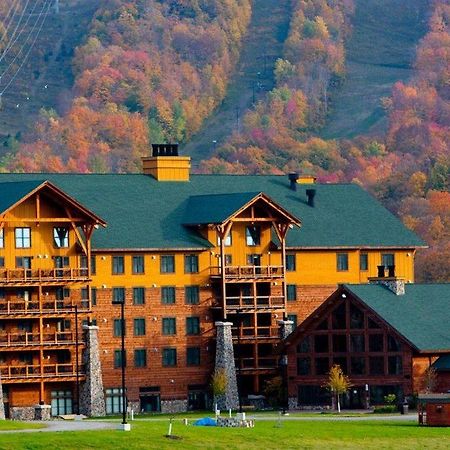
(379, 53)
(262, 45)
(46, 77)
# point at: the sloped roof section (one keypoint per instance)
(144, 213)
(421, 315)
(13, 192)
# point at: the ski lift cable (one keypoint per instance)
(13, 35)
(15, 5)
(29, 50)
(26, 41)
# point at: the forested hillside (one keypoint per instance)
(149, 70)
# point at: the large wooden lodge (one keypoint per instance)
(183, 252)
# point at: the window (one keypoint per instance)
(62, 293)
(291, 292)
(167, 264)
(376, 365)
(2, 239)
(140, 357)
(321, 343)
(118, 359)
(169, 357)
(113, 399)
(2, 261)
(2, 296)
(138, 264)
(23, 262)
(192, 295)
(322, 366)
(93, 296)
(363, 261)
(357, 365)
(356, 317)
(253, 235)
(193, 356)
(61, 237)
(342, 262)
(357, 343)
(387, 259)
(190, 263)
(303, 366)
(304, 346)
(118, 295)
(339, 343)
(118, 266)
(169, 326)
(338, 318)
(293, 319)
(227, 242)
(23, 237)
(254, 259)
(117, 324)
(393, 344)
(167, 295)
(139, 327)
(228, 259)
(375, 343)
(192, 325)
(395, 365)
(83, 263)
(61, 402)
(290, 263)
(138, 296)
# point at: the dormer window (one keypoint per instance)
(61, 237)
(253, 235)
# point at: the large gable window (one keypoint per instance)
(23, 237)
(61, 237)
(253, 235)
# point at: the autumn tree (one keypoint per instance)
(337, 383)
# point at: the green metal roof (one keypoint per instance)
(421, 315)
(144, 213)
(442, 363)
(12, 192)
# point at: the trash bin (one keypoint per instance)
(404, 408)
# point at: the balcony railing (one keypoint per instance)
(256, 333)
(259, 302)
(261, 363)
(249, 272)
(37, 276)
(22, 306)
(34, 371)
(33, 339)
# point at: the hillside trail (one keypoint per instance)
(253, 78)
(379, 53)
(46, 77)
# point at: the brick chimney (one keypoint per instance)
(165, 164)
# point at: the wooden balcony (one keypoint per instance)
(36, 277)
(32, 373)
(262, 363)
(250, 303)
(15, 340)
(252, 333)
(239, 273)
(31, 308)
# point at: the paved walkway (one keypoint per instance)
(64, 425)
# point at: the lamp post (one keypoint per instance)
(283, 369)
(125, 425)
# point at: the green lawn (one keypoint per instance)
(11, 425)
(266, 435)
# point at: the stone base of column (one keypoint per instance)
(2, 406)
(42, 412)
(173, 406)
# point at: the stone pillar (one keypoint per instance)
(225, 362)
(92, 398)
(286, 328)
(42, 412)
(395, 285)
(2, 405)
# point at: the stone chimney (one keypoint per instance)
(165, 164)
(393, 283)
